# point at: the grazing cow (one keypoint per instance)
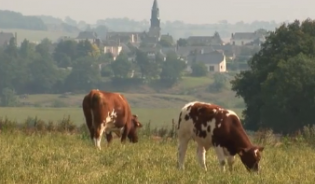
(210, 125)
(109, 112)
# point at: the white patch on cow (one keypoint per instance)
(201, 156)
(219, 125)
(230, 112)
(256, 152)
(97, 141)
(221, 156)
(111, 116)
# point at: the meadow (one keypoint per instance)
(49, 148)
(54, 157)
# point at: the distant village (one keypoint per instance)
(211, 50)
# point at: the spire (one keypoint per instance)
(155, 5)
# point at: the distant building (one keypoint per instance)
(152, 36)
(215, 61)
(6, 37)
(88, 35)
(205, 40)
(248, 38)
(155, 28)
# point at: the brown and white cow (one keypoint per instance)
(109, 112)
(212, 126)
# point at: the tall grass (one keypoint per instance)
(61, 152)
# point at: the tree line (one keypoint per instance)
(70, 66)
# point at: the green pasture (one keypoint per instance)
(158, 116)
(72, 159)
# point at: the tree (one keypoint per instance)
(149, 68)
(279, 89)
(85, 75)
(65, 53)
(166, 41)
(27, 49)
(86, 48)
(121, 67)
(199, 69)
(182, 42)
(219, 82)
(9, 98)
(45, 48)
(172, 69)
(43, 75)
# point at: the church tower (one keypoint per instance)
(155, 29)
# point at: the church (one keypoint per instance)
(135, 38)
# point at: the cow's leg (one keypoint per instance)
(125, 133)
(181, 151)
(98, 136)
(109, 137)
(230, 159)
(201, 156)
(88, 114)
(221, 156)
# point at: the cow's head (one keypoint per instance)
(135, 124)
(251, 157)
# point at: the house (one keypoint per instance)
(153, 52)
(124, 37)
(205, 40)
(248, 38)
(6, 37)
(215, 61)
(113, 48)
(187, 50)
(88, 35)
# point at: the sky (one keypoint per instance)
(189, 11)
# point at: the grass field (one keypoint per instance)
(159, 117)
(37, 36)
(61, 158)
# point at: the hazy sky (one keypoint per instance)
(190, 11)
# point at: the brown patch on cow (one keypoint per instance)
(179, 120)
(102, 103)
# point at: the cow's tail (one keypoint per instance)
(95, 98)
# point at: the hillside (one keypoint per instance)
(38, 35)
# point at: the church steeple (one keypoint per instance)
(155, 15)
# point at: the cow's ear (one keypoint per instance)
(242, 151)
(139, 124)
(261, 148)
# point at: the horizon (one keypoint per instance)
(243, 11)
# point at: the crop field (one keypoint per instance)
(71, 158)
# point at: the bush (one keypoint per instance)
(198, 70)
